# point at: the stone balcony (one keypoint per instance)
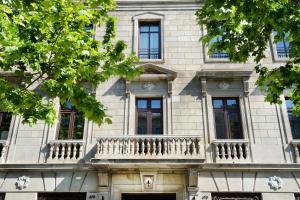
(231, 151)
(296, 150)
(3, 150)
(149, 149)
(65, 151)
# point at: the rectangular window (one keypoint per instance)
(71, 122)
(62, 196)
(294, 119)
(297, 196)
(236, 196)
(5, 120)
(149, 40)
(149, 116)
(218, 54)
(282, 47)
(227, 118)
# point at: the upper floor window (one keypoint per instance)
(218, 54)
(282, 47)
(149, 40)
(5, 120)
(227, 118)
(294, 119)
(71, 122)
(149, 116)
(297, 196)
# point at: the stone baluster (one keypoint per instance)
(159, 150)
(198, 147)
(75, 147)
(138, 146)
(56, 146)
(63, 150)
(246, 151)
(131, 148)
(172, 149)
(80, 151)
(148, 146)
(234, 151)
(154, 147)
(193, 150)
(105, 146)
(68, 150)
(4, 152)
(222, 151)
(51, 151)
(240, 150)
(143, 147)
(165, 147)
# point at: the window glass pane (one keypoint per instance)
(155, 104)
(235, 126)
(78, 126)
(5, 125)
(217, 103)
(154, 28)
(220, 125)
(67, 105)
(64, 126)
(231, 103)
(154, 41)
(144, 28)
(289, 104)
(142, 123)
(144, 41)
(156, 123)
(141, 103)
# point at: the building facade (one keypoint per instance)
(193, 126)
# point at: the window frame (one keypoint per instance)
(10, 123)
(149, 39)
(73, 111)
(275, 56)
(149, 112)
(148, 17)
(226, 111)
(289, 110)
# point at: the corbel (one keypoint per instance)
(170, 87)
(246, 86)
(127, 89)
(203, 87)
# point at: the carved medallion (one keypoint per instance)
(223, 85)
(275, 182)
(148, 86)
(22, 182)
(148, 182)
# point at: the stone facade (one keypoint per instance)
(190, 160)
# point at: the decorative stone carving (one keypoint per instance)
(203, 87)
(148, 86)
(22, 182)
(148, 182)
(223, 85)
(275, 182)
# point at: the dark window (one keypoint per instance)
(71, 122)
(218, 54)
(153, 196)
(149, 40)
(294, 119)
(5, 119)
(297, 196)
(282, 47)
(236, 196)
(149, 116)
(62, 196)
(2, 196)
(227, 118)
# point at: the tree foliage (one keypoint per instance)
(46, 51)
(245, 27)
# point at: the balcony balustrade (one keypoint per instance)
(152, 147)
(61, 151)
(3, 150)
(231, 151)
(296, 148)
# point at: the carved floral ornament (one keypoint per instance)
(223, 85)
(22, 182)
(148, 86)
(275, 182)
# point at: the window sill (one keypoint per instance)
(217, 60)
(151, 61)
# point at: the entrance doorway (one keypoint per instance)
(153, 196)
(62, 196)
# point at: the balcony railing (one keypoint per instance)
(65, 151)
(231, 151)
(152, 147)
(3, 150)
(296, 148)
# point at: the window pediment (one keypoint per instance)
(154, 72)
